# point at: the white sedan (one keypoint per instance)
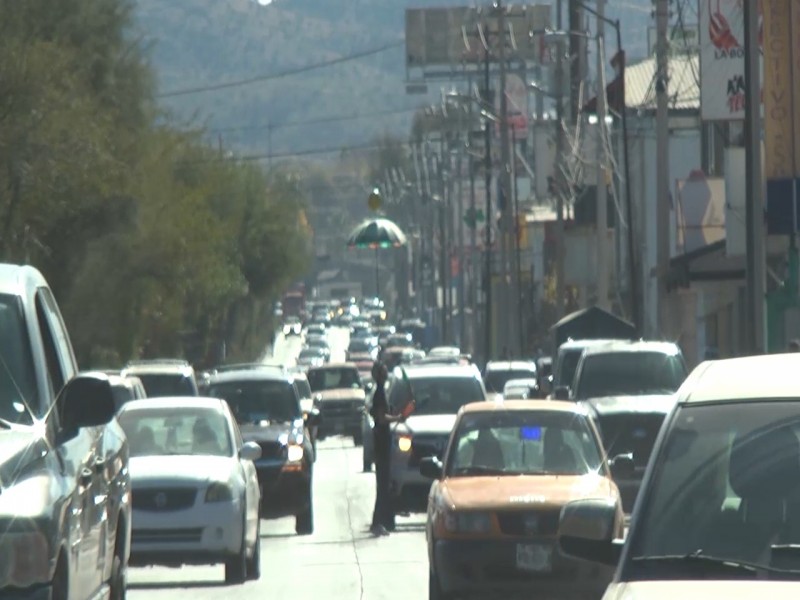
(195, 489)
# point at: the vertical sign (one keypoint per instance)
(721, 39)
(779, 125)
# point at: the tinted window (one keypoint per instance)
(254, 401)
(168, 431)
(159, 385)
(567, 366)
(17, 375)
(629, 374)
(333, 379)
(725, 483)
(437, 395)
(517, 442)
(495, 381)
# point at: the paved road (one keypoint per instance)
(340, 561)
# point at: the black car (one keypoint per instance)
(267, 407)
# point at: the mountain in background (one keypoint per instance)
(205, 42)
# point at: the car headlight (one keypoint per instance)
(294, 453)
(467, 522)
(404, 443)
(219, 492)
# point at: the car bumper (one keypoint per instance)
(201, 535)
(348, 424)
(283, 493)
(489, 567)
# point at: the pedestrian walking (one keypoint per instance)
(383, 515)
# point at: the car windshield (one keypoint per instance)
(495, 381)
(436, 395)
(17, 378)
(167, 384)
(255, 401)
(629, 374)
(523, 443)
(176, 431)
(333, 379)
(725, 485)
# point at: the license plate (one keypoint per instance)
(537, 558)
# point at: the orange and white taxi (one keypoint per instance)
(495, 503)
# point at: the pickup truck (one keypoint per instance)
(64, 483)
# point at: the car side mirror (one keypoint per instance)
(561, 392)
(587, 531)
(87, 400)
(622, 466)
(250, 451)
(431, 467)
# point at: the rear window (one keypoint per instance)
(495, 381)
(333, 379)
(256, 401)
(629, 374)
(160, 385)
(437, 395)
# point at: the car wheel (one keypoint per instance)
(236, 566)
(254, 563)
(435, 589)
(304, 522)
(118, 583)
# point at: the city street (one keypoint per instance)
(340, 561)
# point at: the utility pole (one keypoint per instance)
(559, 164)
(662, 163)
(754, 209)
(508, 309)
(487, 135)
(602, 201)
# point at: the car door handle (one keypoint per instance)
(86, 477)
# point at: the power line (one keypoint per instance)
(279, 74)
(329, 119)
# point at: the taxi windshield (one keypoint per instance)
(523, 443)
(725, 486)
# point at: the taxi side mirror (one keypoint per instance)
(587, 529)
(431, 467)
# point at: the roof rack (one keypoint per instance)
(159, 361)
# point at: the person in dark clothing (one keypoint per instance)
(383, 515)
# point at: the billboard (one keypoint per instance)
(722, 83)
(454, 36)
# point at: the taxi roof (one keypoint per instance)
(522, 405)
(174, 402)
(764, 377)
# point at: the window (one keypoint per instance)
(256, 401)
(436, 395)
(629, 374)
(167, 384)
(333, 379)
(18, 398)
(170, 431)
(55, 370)
(524, 442)
(495, 381)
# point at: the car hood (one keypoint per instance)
(701, 590)
(610, 405)
(428, 424)
(342, 394)
(267, 433)
(524, 492)
(150, 470)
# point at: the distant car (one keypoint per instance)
(342, 400)
(266, 406)
(308, 405)
(362, 349)
(497, 373)
(569, 353)
(292, 326)
(544, 372)
(195, 491)
(315, 328)
(319, 343)
(444, 351)
(164, 377)
(311, 357)
(497, 495)
(521, 389)
(400, 340)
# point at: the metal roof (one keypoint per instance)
(684, 84)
